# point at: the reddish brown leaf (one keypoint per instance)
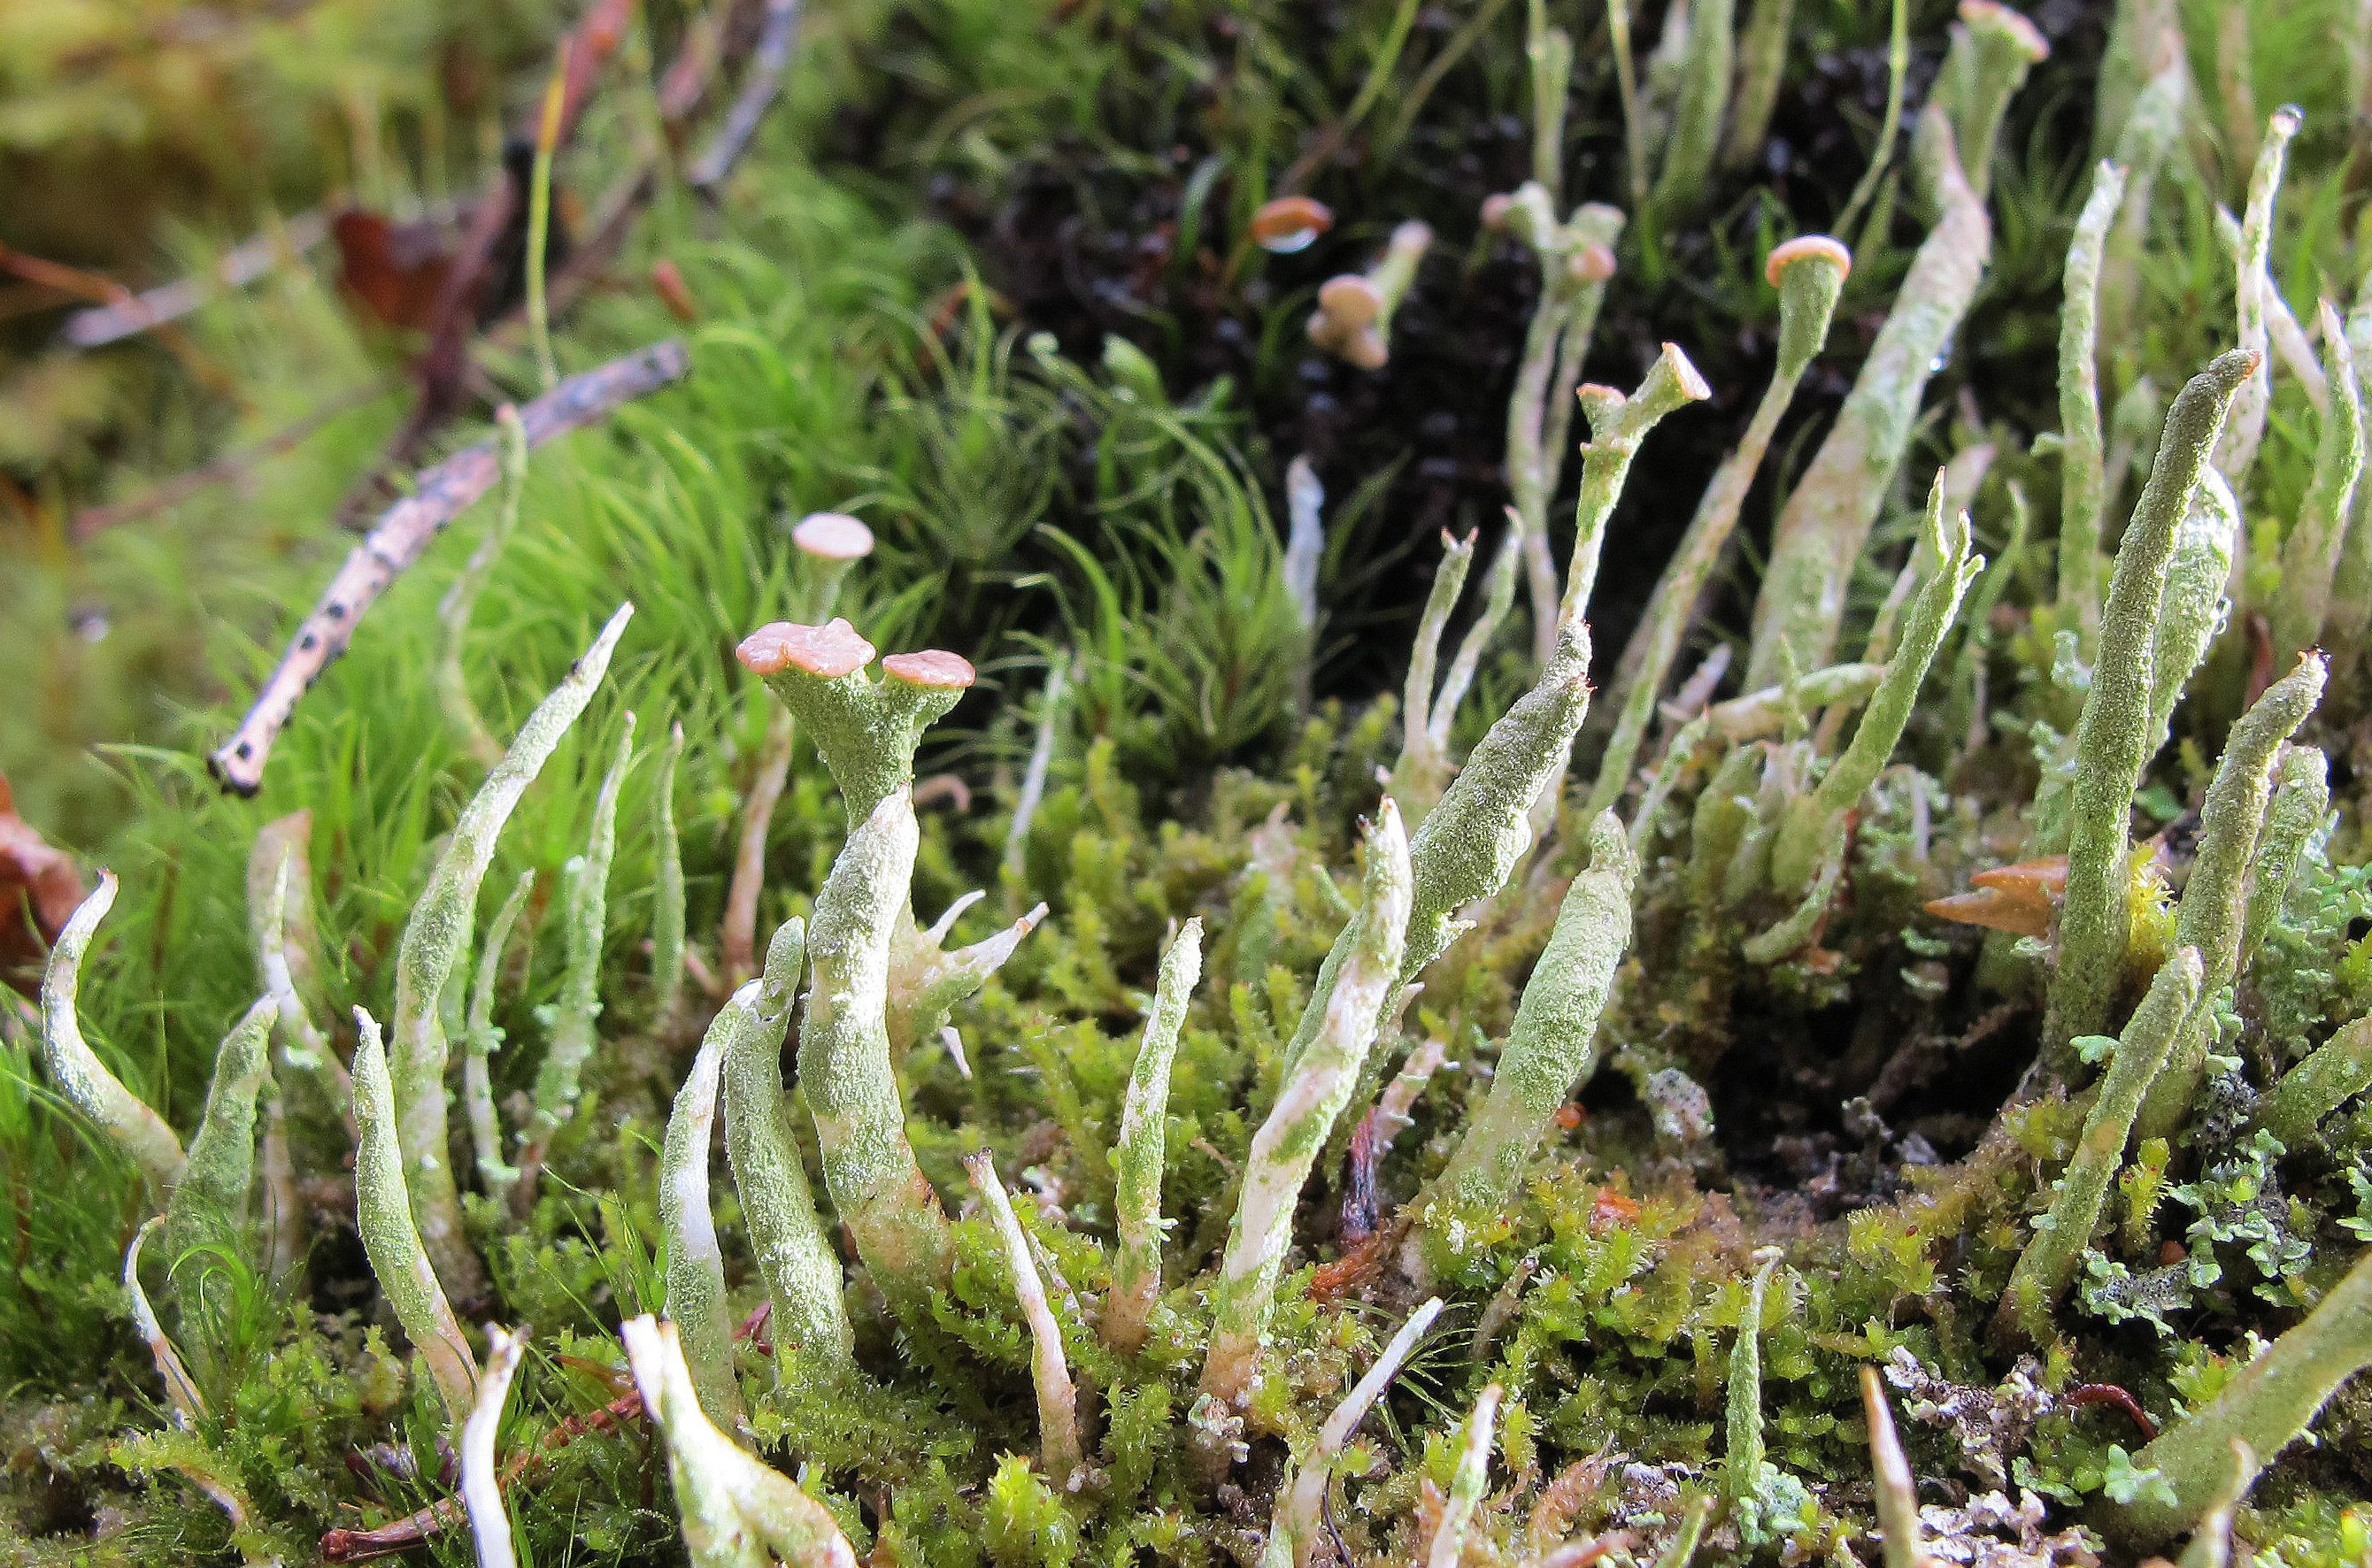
(39, 889)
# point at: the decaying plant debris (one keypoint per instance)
(1870, 1070)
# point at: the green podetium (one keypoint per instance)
(1467, 1482)
(1898, 1498)
(2083, 478)
(794, 1255)
(2265, 1405)
(1553, 1043)
(2061, 1236)
(2113, 739)
(209, 1204)
(585, 901)
(75, 1069)
(1618, 424)
(1293, 1531)
(736, 1510)
(2311, 555)
(1993, 49)
(2193, 607)
(2339, 1069)
(695, 1265)
(481, 1037)
(1808, 271)
(866, 730)
(1317, 1083)
(1742, 1468)
(2245, 430)
(2299, 810)
(1827, 520)
(1139, 1160)
(1812, 830)
(434, 940)
(384, 1216)
(1050, 1371)
(2214, 911)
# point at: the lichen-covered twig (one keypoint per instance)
(1808, 271)
(2265, 1405)
(1553, 1043)
(482, 1488)
(1141, 1155)
(695, 1265)
(2083, 483)
(2339, 1069)
(795, 1256)
(2310, 555)
(383, 1214)
(433, 940)
(482, 1037)
(2063, 1236)
(75, 1069)
(2112, 737)
(210, 1201)
(1050, 1371)
(461, 598)
(1898, 1501)
(1318, 1082)
(2235, 449)
(585, 906)
(2214, 915)
(404, 530)
(1827, 520)
(735, 1508)
(1300, 1505)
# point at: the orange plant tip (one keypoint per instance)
(1495, 208)
(1592, 263)
(667, 281)
(2030, 38)
(1807, 248)
(1290, 223)
(932, 666)
(1350, 300)
(832, 536)
(829, 651)
(1693, 386)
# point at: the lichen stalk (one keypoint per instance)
(1293, 1532)
(1553, 1043)
(2063, 1236)
(1809, 272)
(1762, 60)
(1498, 600)
(925, 983)
(481, 1037)
(735, 1510)
(1318, 1083)
(1141, 1155)
(584, 924)
(393, 1242)
(2244, 430)
(1741, 1470)
(210, 1199)
(481, 1487)
(1618, 425)
(1696, 122)
(180, 1390)
(2300, 808)
(1422, 771)
(461, 601)
(1897, 1499)
(2266, 1406)
(1826, 523)
(2191, 608)
(668, 891)
(2310, 555)
(2214, 914)
(1993, 49)
(1467, 1482)
(2339, 1070)
(794, 1253)
(695, 1264)
(280, 907)
(866, 729)
(433, 943)
(2113, 736)
(2083, 484)
(1050, 1371)
(892, 1212)
(76, 1069)
(1810, 831)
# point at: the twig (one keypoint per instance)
(757, 94)
(230, 466)
(404, 530)
(241, 264)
